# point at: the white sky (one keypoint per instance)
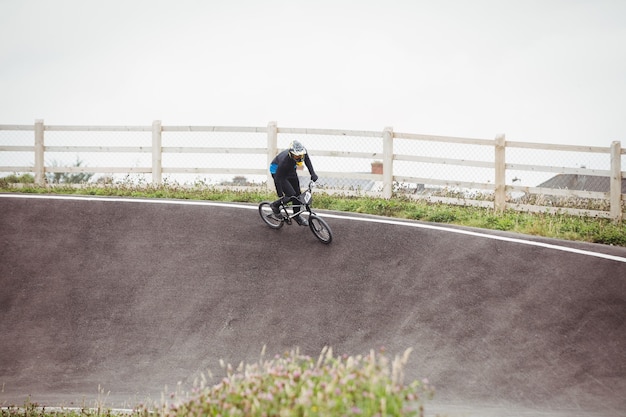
(549, 71)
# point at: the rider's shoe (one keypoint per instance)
(301, 221)
(275, 209)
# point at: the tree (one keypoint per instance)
(68, 177)
(238, 180)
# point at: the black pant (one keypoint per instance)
(291, 188)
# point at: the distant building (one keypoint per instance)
(581, 183)
(350, 184)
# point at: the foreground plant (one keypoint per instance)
(297, 385)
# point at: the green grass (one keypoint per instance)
(560, 226)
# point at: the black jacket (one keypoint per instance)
(283, 167)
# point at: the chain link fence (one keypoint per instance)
(346, 161)
(578, 178)
(215, 157)
(114, 155)
(21, 160)
(431, 166)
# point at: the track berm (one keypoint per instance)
(132, 296)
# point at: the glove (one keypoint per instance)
(314, 177)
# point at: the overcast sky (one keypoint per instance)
(549, 71)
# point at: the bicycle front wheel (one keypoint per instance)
(268, 216)
(320, 229)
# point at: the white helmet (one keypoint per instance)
(297, 151)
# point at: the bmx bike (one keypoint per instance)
(318, 226)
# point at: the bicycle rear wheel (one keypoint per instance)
(268, 216)
(320, 229)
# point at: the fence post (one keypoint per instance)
(39, 151)
(387, 162)
(157, 161)
(500, 173)
(616, 182)
(272, 150)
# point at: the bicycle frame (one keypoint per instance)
(304, 200)
(300, 204)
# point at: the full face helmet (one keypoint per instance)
(297, 152)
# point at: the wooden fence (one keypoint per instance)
(497, 189)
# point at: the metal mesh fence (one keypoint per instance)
(332, 156)
(563, 160)
(17, 138)
(229, 153)
(344, 160)
(441, 165)
(110, 152)
(560, 171)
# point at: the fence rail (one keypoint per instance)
(455, 170)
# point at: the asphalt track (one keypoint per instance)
(129, 296)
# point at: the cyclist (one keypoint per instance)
(283, 170)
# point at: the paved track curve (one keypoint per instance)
(131, 296)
